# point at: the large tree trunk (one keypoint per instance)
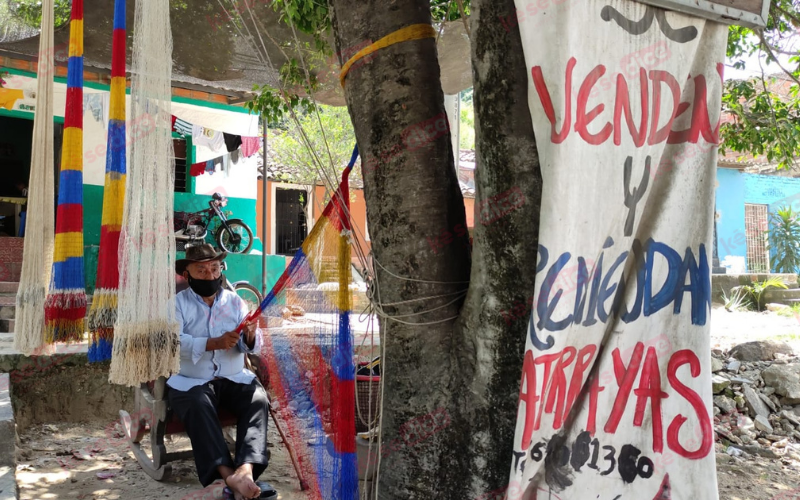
(412, 197)
(495, 315)
(470, 367)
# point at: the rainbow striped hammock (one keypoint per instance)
(103, 313)
(310, 364)
(65, 306)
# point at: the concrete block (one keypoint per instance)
(8, 483)
(8, 432)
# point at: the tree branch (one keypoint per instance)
(764, 43)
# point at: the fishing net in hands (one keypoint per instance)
(37, 260)
(65, 306)
(308, 352)
(103, 313)
(146, 342)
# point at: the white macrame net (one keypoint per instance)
(37, 260)
(146, 341)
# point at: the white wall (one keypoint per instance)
(242, 181)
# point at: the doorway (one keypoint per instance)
(291, 222)
(16, 136)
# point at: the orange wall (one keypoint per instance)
(358, 211)
(259, 216)
(469, 206)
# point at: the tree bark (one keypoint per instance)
(469, 367)
(413, 200)
(495, 316)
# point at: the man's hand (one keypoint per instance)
(250, 333)
(226, 341)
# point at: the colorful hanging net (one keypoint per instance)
(65, 306)
(308, 352)
(103, 313)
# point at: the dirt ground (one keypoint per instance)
(757, 478)
(66, 461)
(92, 462)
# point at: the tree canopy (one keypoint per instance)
(764, 111)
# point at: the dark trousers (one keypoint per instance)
(197, 409)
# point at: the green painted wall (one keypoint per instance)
(240, 267)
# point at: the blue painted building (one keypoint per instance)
(744, 201)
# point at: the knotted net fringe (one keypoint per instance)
(37, 259)
(101, 319)
(146, 332)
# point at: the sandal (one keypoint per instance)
(267, 491)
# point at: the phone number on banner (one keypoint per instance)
(628, 461)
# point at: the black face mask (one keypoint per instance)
(205, 288)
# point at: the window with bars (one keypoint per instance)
(755, 226)
(179, 146)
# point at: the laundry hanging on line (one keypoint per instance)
(214, 140)
(220, 163)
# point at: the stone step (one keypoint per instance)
(774, 294)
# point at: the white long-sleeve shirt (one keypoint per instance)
(199, 322)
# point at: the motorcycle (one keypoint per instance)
(233, 235)
(250, 294)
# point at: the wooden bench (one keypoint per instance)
(153, 415)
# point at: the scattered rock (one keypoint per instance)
(724, 403)
(776, 307)
(745, 423)
(719, 384)
(733, 365)
(791, 417)
(767, 401)
(760, 350)
(716, 365)
(785, 379)
(762, 452)
(754, 403)
(733, 451)
(762, 424)
(783, 443)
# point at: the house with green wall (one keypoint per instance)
(192, 194)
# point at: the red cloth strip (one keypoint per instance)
(77, 10)
(118, 53)
(63, 313)
(70, 218)
(73, 112)
(108, 268)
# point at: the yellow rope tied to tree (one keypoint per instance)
(413, 32)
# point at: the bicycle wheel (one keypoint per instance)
(248, 293)
(240, 240)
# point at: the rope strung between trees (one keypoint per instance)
(37, 260)
(413, 32)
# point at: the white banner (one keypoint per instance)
(615, 400)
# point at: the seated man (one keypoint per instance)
(213, 375)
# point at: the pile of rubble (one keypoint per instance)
(756, 388)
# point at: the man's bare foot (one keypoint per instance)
(242, 484)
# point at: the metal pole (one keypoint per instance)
(264, 206)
